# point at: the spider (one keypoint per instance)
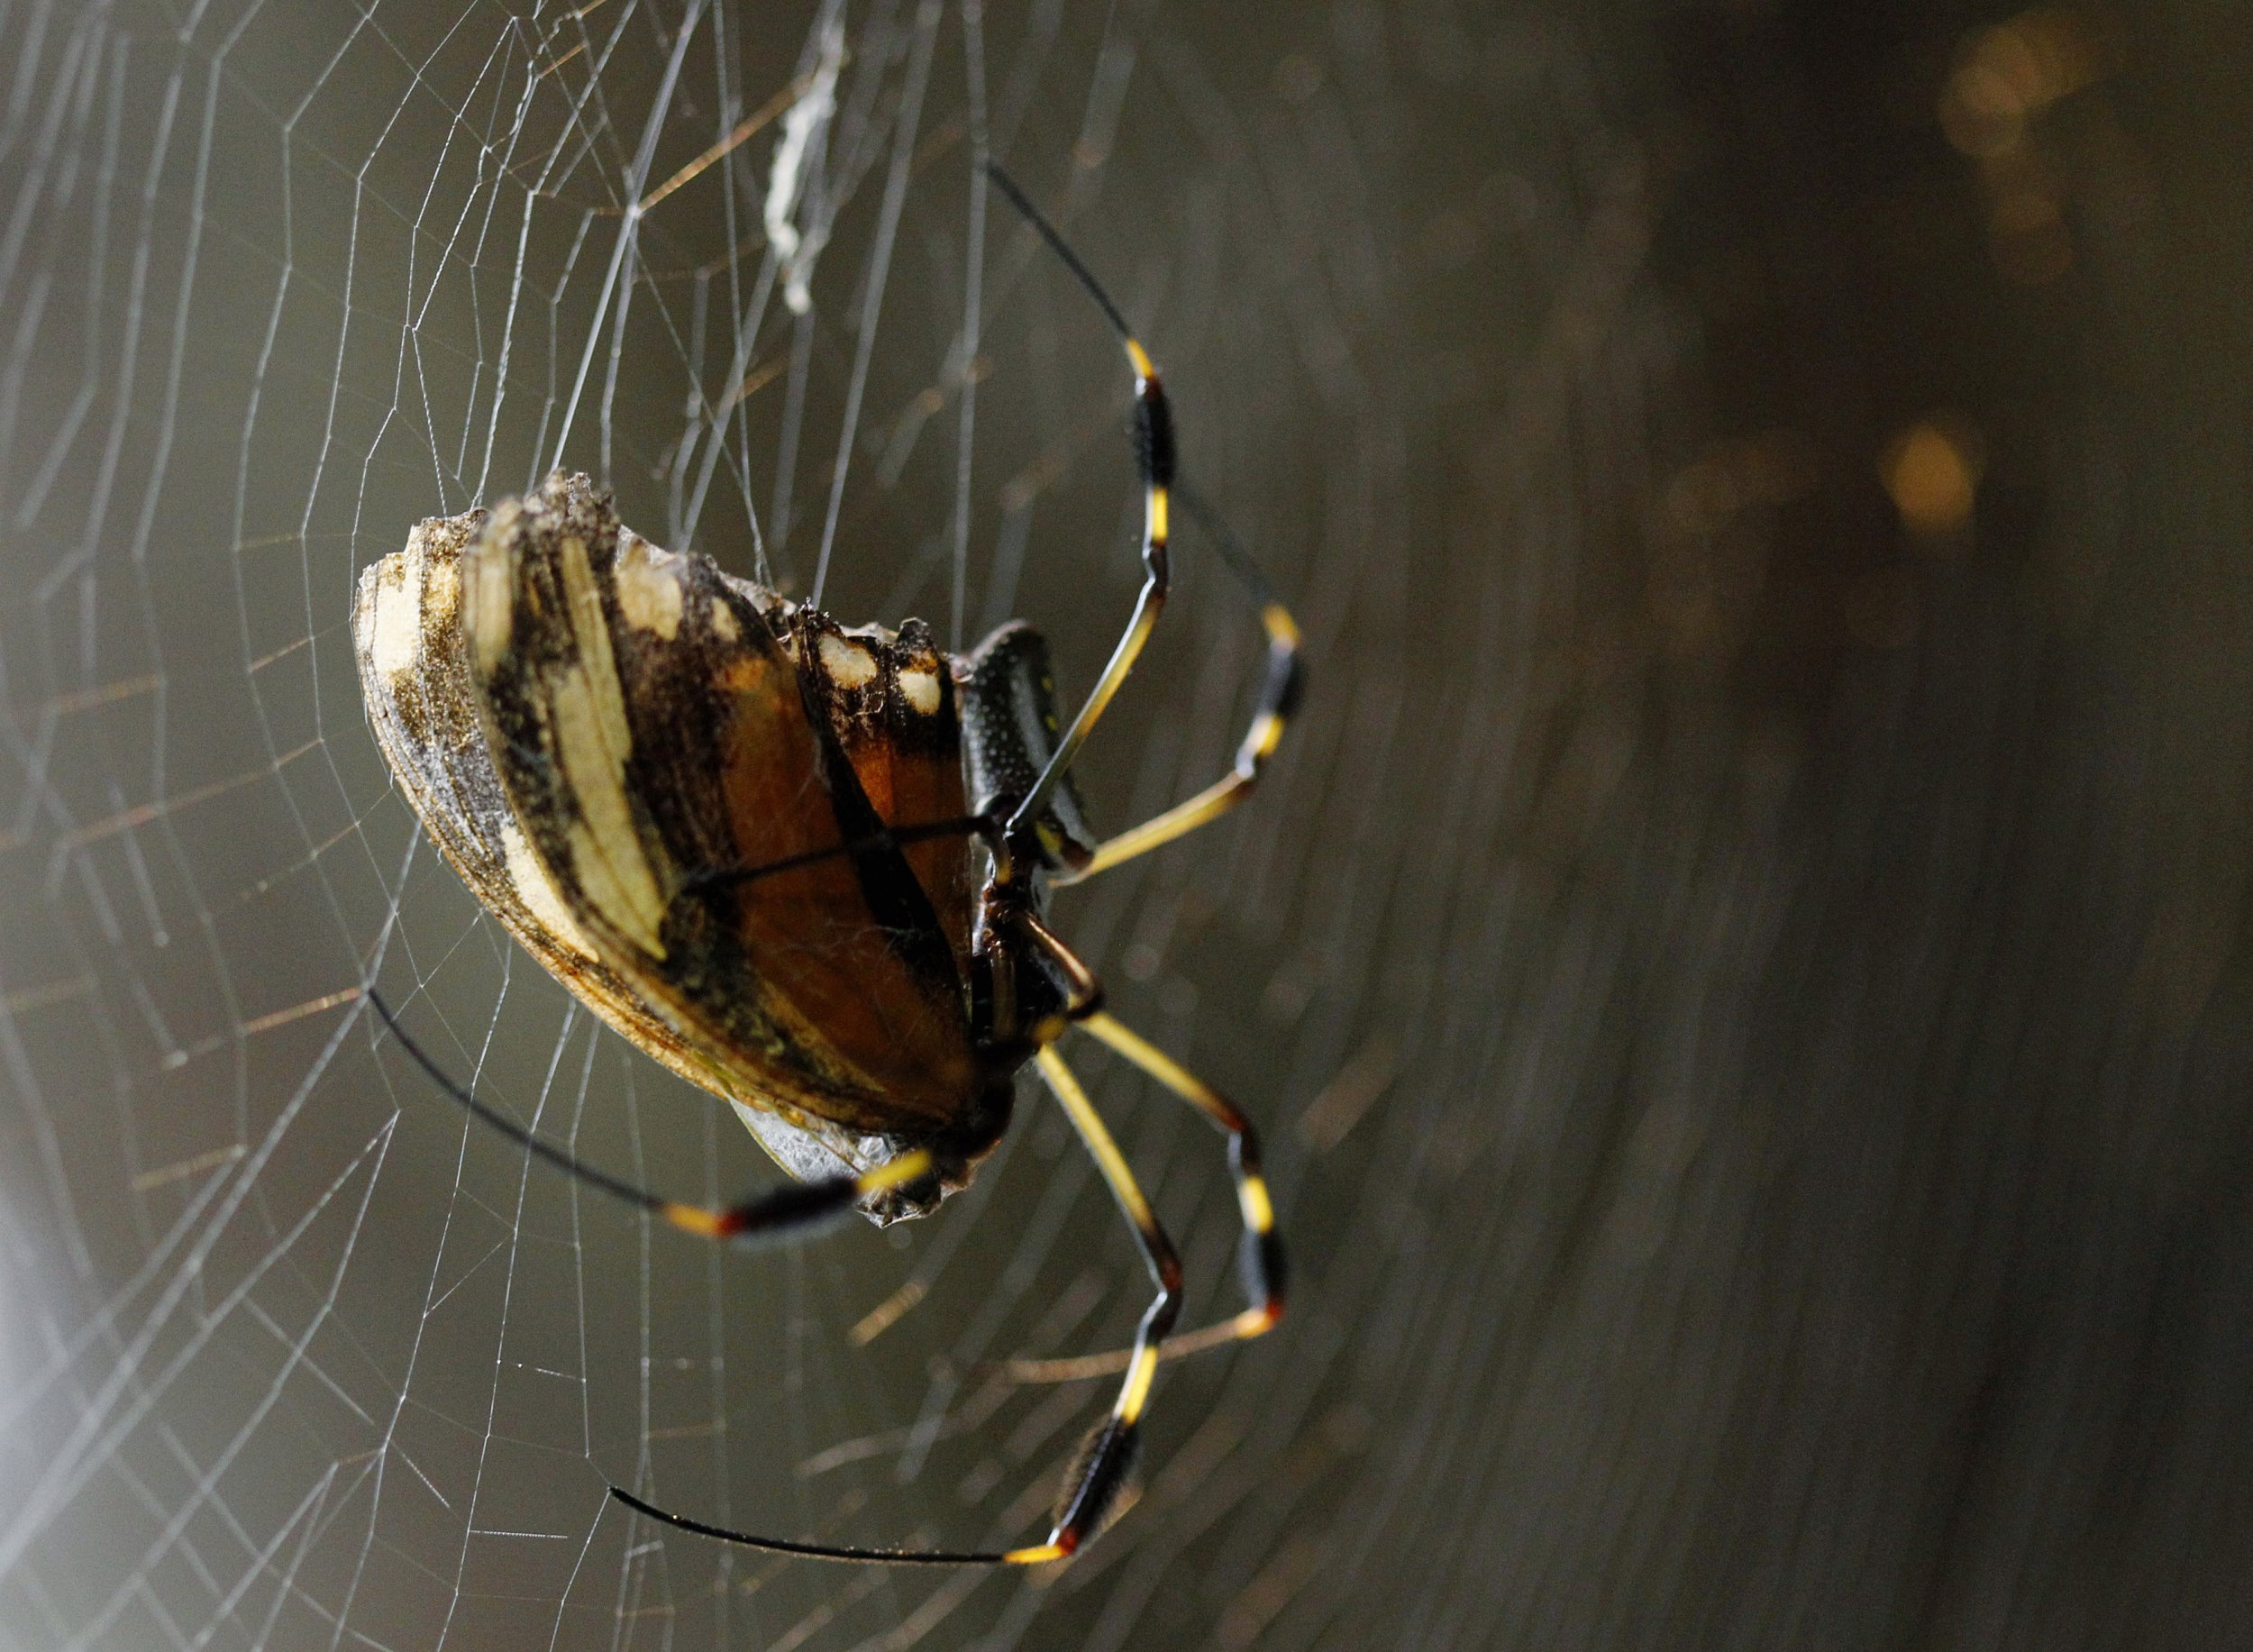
(738, 831)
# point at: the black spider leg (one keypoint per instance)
(1285, 679)
(824, 1551)
(796, 1206)
(1153, 456)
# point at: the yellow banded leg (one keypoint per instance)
(1262, 1263)
(1279, 698)
(1153, 460)
(801, 1204)
(1093, 1486)
(1151, 406)
(1264, 1267)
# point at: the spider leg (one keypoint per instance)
(1261, 1261)
(1153, 458)
(1279, 698)
(1154, 455)
(1083, 991)
(1264, 1269)
(1092, 1486)
(771, 1215)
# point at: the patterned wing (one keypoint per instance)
(657, 743)
(406, 627)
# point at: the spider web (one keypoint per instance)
(296, 1356)
(302, 1357)
(1743, 1000)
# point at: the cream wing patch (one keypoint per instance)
(921, 688)
(538, 892)
(405, 599)
(648, 582)
(848, 663)
(491, 601)
(582, 714)
(414, 626)
(395, 621)
(592, 741)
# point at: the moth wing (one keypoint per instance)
(422, 701)
(890, 705)
(407, 629)
(654, 738)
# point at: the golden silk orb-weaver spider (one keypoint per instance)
(804, 866)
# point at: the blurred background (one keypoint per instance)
(1739, 964)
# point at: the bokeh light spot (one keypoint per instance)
(1932, 472)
